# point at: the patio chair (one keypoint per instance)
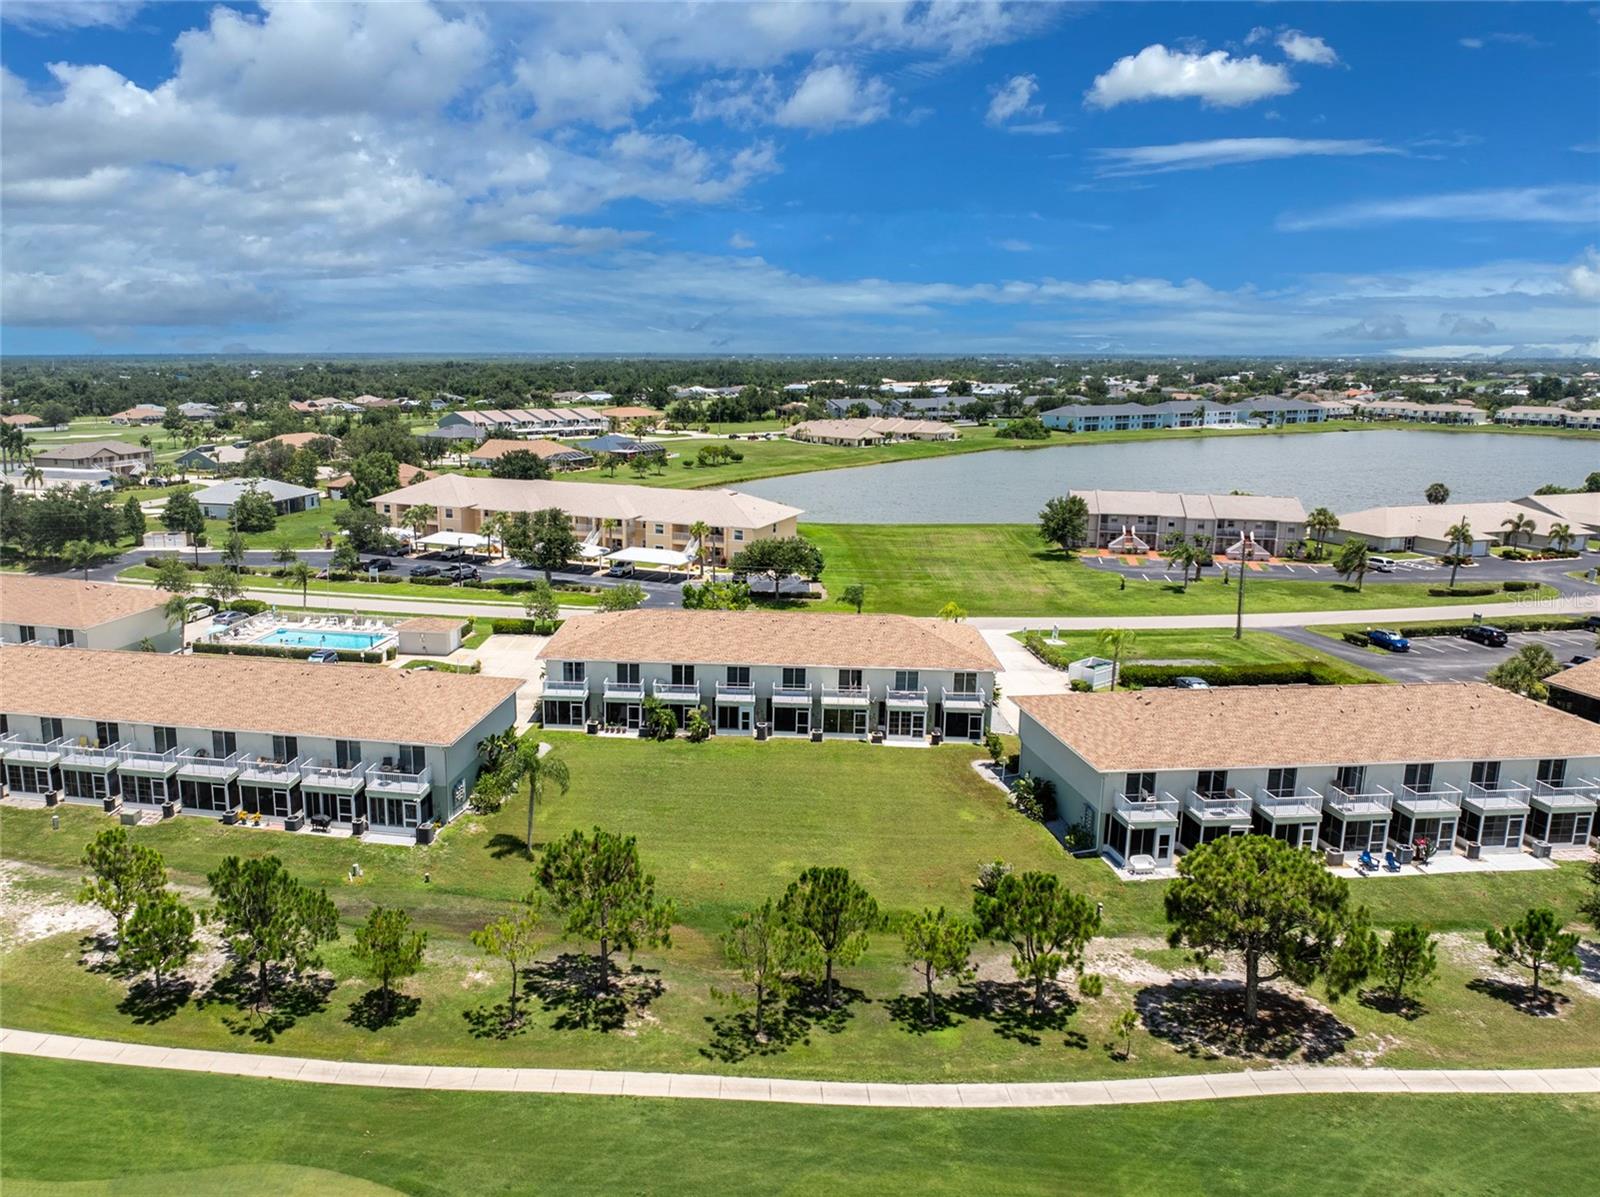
(1365, 863)
(1391, 862)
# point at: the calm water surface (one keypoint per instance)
(1346, 471)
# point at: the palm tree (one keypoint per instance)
(1181, 553)
(81, 554)
(32, 476)
(1561, 537)
(539, 771)
(701, 531)
(607, 527)
(419, 516)
(176, 610)
(1437, 493)
(494, 528)
(1517, 525)
(300, 574)
(1113, 643)
(1460, 538)
(1320, 523)
(1353, 561)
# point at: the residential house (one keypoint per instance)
(1147, 521)
(871, 431)
(216, 502)
(63, 613)
(627, 414)
(761, 672)
(1276, 411)
(51, 479)
(214, 734)
(143, 413)
(1468, 766)
(338, 484)
(198, 411)
(1577, 690)
(20, 420)
(1424, 528)
(1579, 510)
(605, 516)
(625, 447)
(553, 453)
(1540, 416)
(115, 457)
(215, 458)
(839, 409)
(301, 440)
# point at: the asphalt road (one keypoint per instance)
(1446, 658)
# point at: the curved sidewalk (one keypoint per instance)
(1027, 1095)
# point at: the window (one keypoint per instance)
(794, 678)
(449, 513)
(1212, 782)
(25, 633)
(64, 637)
(965, 683)
(107, 733)
(166, 738)
(849, 679)
(906, 679)
(659, 529)
(346, 753)
(224, 743)
(1419, 778)
(738, 533)
(738, 675)
(628, 673)
(572, 671)
(1282, 781)
(1350, 778)
(1486, 774)
(413, 758)
(1138, 784)
(1553, 771)
(285, 748)
(683, 675)
(50, 728)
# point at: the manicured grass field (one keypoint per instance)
(1213, 646)
(380, 590)
(1005, 569)
(722, 826)
(249, 1137)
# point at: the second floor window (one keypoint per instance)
(1486, 774)
(166, 738)
(1350, 778)
(64, 637)
(107, 733)
(794, 678)
(965, 683)
(1212, 782)
(907, 679)
(683, 675)
(346, 753)
(1419, 777)
(1282, 781)
(1139, 784)
(412, 758)
(849, 679)
(1553, 771)
(50, 728)
(738, 675)
(572, 671)
(628, 673)
(224, 743)
(285, 748)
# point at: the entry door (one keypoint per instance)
(802, 720)
(1163, 846)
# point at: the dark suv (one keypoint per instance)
(1483, 633)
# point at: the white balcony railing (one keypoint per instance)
(273, 773)
(1229, 807)
(1372, 801)
(1508, 797)
(201, 764)
(555, 687)
(1301, 803)
(394, 781)
(677, 691)
(1423, 803)
(846, 696)
(1146, 808)
(1576, 795)
(147, 762)
(908, 698)
(735, 692)
(91, 756)
(792, 695)
(965, 700)
(624, 691)
(340, 779)
(33, 752)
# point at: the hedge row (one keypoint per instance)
(524, 627)
(286, 652)
(1511, 623)
(1284, 673)
(1482, 588)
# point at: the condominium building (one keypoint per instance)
(1373, 408)
(1577, 690)
(606, 516)
(871, 431)
(553, 453)
(340, 744)
(1139, 521)
(1425, 527)
(1534, 415)
(1196, 412)
(531, 421)
(769, 672)
(1468, 766)
(64, 613)
(115, 457)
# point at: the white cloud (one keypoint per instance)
(829, 97)
(1584, 276)
(1014, 245)
(601, 87)
(1373, 328)
(1565, 204)
(740, 241)
(1302, 47)
(42, 16)
(1228, 151)
(1217, 78)
(1456, 325)
(1526, 40)
(1014, 99)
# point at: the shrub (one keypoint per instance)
(523, 627)
(696, 727)
(288, 653)
(1519, 585)
(1464, 591)
(1509, 623)
(1284, 673)
(248, 606)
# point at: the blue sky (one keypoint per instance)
(1418, 179)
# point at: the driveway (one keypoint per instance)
(1446, 658)
(1020, 673)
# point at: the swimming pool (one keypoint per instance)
(350, 641)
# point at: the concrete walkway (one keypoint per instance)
(1133, 1091)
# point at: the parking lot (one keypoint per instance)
(1447, 658)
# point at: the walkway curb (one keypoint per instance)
(1028, 1095)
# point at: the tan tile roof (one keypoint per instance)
(1245, 727)
(298, 440)
(626, 412)
(82, 450)
(595, 500)
(429, 623)
(493, 449)
(1195, 507)
(823, 640)
(1580, 679)
(66, 603)
(21, 420)
(343, 702)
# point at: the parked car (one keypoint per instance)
(1483, 633)
(1382, 565)
(197, 612)
(1389, 639)
(1579, 659)
(226, 619)
(426, 571)
(1190, 682)
(378, 563)
(622, 569)
(1592, 623)
(323, 656)
(461, 573)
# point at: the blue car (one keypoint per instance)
(1391, 640)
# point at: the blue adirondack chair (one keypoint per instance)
(1391, 862)
(1365, 859)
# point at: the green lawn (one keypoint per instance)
(722, 826)
(250, 1137)
(303, 529)
(381, 590)
(1214, 646)
(1004, 569)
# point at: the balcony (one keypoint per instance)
(1371, 803)
(202, 766)
(624, 691)
(1289, 805)
(735, 693)
(338, 779)
(1230, 808)
(32, 752)
(908, 699)
(846, 696)
(1145, 808)
(565, 688)
(261, 772)
(91, 756)
(1502, 798)
(677, 691)
(1562, 796)
(965, 700)
(1428, 803)
(394, 783)
(147, 763)
(792, 696)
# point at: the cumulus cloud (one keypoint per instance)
(1457, 325)
(601, 87)
(1583, 278)
(1562, 204)
(1217, 79)
(834, 96)
(1228, 151)
(740, 241)
(1302, 47)
(1373, 328)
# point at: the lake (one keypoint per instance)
(1346, 471)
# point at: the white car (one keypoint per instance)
(196, 613)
